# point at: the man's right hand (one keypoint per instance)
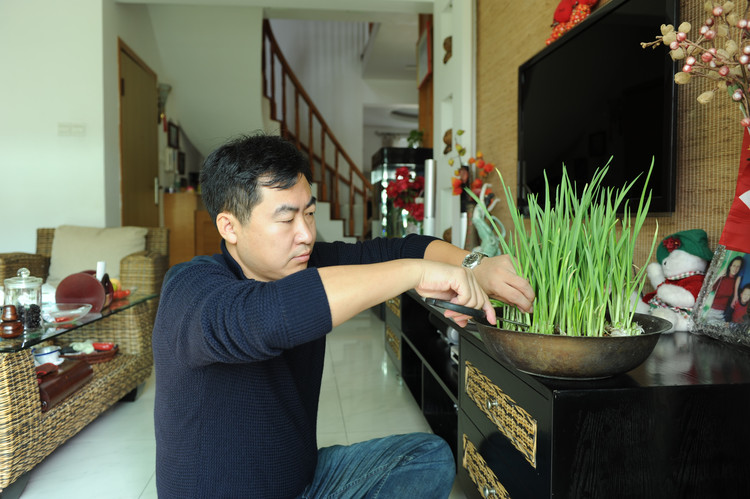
(457, 285)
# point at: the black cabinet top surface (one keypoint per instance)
(679, 359)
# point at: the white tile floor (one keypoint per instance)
(362, 398)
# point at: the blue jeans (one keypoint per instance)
(415, 465)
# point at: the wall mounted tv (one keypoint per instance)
(596, 93)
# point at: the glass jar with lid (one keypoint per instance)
(25, 293)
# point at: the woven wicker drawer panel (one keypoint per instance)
(483, 477)
(511, 419)
(394, 343)
(394, 305)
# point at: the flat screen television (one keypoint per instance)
(596, 93)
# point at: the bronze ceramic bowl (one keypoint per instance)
(573, 357)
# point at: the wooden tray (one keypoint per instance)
(93, 358)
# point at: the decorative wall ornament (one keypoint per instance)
(448, 47)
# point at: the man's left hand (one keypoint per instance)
(499, 279)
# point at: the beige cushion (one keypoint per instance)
(75, 249)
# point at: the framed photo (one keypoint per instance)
(424, 55)
(721, 309)
(173, 135)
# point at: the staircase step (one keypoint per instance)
(329, 230)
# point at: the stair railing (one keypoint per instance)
(339, 183)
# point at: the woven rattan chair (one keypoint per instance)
(143, 270)
(27, 435)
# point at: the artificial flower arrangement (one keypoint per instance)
(719, 54)
(407, 193)
(471, 176)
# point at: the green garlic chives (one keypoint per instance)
(578, 257)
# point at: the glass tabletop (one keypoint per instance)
(49, 330)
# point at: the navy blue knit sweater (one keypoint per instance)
(238, 365)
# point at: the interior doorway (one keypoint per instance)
(139, 155)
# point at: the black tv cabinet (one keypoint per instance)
(676, 426)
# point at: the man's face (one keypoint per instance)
(278, 238)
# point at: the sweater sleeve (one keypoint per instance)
(207, 315)
(370, 251)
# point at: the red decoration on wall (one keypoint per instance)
(736, 235)
(567, 14)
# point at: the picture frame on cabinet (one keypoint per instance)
(726, 317)
(424, 55)
(173, 135)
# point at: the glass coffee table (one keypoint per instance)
(50, 330)
(27, 435)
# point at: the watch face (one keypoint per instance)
(472, 260)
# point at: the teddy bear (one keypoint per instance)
(677, 278)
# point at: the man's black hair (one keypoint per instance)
(231, 174)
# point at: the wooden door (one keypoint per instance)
(139, 155)
(179, 218)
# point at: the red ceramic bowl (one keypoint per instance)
(81, 288)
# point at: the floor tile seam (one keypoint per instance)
(145, 487)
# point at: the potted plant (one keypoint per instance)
(577, 251)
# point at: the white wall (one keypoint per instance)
(59, 112)
(454, 102)
(51, 117)
(212, 58)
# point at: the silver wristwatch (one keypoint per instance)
(472, 259)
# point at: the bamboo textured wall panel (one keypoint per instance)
(709, 136)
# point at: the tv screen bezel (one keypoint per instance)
(669, 165)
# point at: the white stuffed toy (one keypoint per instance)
(677, 278)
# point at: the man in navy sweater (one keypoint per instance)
(239, 340)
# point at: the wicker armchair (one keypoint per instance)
(143, 270)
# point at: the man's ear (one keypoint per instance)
(226, 223)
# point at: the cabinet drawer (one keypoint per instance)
(393, 312)
(509, 413)
(488, 468)
(512, 420)
(393, 343)
(474, 473)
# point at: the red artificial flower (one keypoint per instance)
(476, 186)
(457, 186)
(392, 190)
(416, 210)
(404, 192)
(403, 172)
(672, 243)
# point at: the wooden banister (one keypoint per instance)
(324, 161)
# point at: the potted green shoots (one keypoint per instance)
(577, 252)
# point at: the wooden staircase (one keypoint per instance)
(341, 186)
